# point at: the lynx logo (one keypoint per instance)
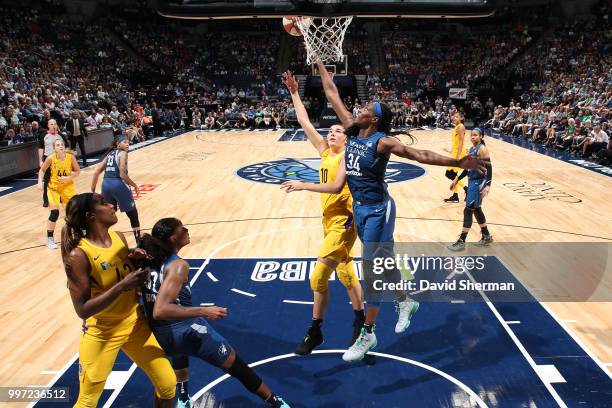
(279, 171)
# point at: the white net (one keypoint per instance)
(323, 37)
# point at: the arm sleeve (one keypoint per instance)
(489, 174)
(462, 175)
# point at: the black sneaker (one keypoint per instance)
(486, 240)
(313, 339)
(452, 199)
(458, 245)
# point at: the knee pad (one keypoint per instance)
(53, 215)
(480, 217)
(319, 281)
(450, 174)
(245, 374)
(467, 217)
(346, 274)
(133, 216)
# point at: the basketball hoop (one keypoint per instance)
(323, 36)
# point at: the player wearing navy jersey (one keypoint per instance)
(478, 188)
(366, 156)
(181, 328)
(116, 183)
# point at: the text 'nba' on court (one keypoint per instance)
(415, 264)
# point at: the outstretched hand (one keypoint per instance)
(291, 186)
(470, 162)
(290, 82)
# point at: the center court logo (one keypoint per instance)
(279, 171)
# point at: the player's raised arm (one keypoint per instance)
(330, 188)
(333, 96)
(391, 145)
(314, 137)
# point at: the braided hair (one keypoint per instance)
(76, 222)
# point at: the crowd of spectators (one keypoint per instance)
(224, 78)
(567, 104)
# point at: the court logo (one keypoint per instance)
(541, 191)
(279, 171)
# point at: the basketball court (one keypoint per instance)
(543, 338)
(253, 247)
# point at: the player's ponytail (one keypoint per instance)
(157, 244)
(76, 222)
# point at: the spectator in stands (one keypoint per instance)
(77, 133)
(209, 121)
(91, 121)
(12, 138)
(196, 122)
(114, 113)
(222, 122)
(597, 140)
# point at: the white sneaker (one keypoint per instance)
(51, 243)
(364, 343)
(406, 310)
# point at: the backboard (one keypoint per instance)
(213, 9)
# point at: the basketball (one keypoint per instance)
(290, 25)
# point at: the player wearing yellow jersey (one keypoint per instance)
(64, 169)
(338, 228)
(103, 284)
(458, 151)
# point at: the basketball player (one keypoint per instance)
(103, 285)
(368, 150)
(457, 152)
(64, 169)
(338, 228)
(115, 184)
(180, 327)
(479, 186)
(46, 141)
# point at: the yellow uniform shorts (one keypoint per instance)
(61, 194)
(97, 355)
(339, 237)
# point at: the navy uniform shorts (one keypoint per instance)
(475, 187)
(193, 337)
(375, 226)
(116, 192)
